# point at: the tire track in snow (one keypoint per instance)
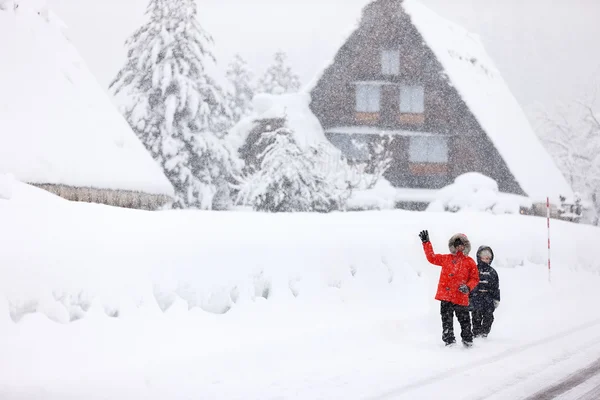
(484, 361)
(523, 377)
(593, 394)
(571, 382)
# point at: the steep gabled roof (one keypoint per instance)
(57, 125)
(485, 92)
(482, 88)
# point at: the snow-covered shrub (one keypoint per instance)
(282, 128)
(289, 178)
(381, 196)
(378, 161)
(474, 192)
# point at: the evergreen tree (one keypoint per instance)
(279, 78)
(176, 109)
(240, 77)
(290, 179)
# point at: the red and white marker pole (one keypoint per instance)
(548, 221)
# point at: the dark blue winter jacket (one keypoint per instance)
(482, 297)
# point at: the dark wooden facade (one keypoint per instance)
(385, 26)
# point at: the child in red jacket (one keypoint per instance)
(458, 277)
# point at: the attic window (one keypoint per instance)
(368, 98)
(390, 62)
(412, 99)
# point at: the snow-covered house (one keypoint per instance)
(58, 128)
(407, 72)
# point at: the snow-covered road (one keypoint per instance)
(584, 384)
(281, 351)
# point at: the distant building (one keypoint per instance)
(58, 128)
(408, 73)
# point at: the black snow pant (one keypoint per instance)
(448, 310)
(482, 322)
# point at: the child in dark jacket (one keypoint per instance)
(485, 298)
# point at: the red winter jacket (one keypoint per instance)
(456, 270)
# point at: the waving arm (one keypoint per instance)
(433, 258)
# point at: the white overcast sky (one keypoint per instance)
(547, 51)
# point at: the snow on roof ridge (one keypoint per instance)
(294, 107)
(482, 88)
(57, 124)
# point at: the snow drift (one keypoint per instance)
(60, 258)
(239, 305)
(476, 192)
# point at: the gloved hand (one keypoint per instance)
(496, 304)
(463, 288)
(424, 235)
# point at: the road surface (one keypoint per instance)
(581, 385)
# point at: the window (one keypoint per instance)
(412, 99)
(368, 98)
(355, 148)
(428, 149)
(390, 62)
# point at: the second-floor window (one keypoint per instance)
(412, 99)
(390, 62)
(368, 98)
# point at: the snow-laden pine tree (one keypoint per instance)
(174, 106)
(242, 91)
(290, 178)
(279, 77)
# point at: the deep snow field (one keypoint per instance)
(264, 306)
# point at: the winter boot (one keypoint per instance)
(467, 344)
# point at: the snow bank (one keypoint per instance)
(476, 192)
(259, 297)
(56, 123)
(294, 107)
(381, 197)
(6, 185)
(479, 83)
(82, 257)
